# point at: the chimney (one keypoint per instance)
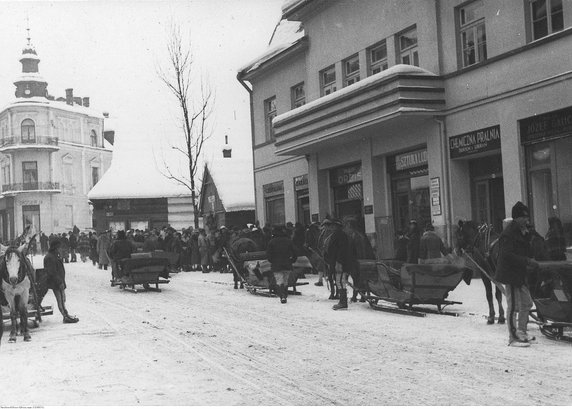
(106, 114)
(69, 96)
(77, 100)
(86, 102)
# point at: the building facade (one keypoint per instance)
(435, 111)
(51, 154)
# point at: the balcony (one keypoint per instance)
(39, 142)
(16, 188)
(387, 100)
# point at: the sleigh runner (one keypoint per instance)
(142, 269)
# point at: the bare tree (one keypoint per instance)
(195, 102)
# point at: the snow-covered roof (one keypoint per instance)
(30, 77)
(126, 181)
(402, 69)
(41, 101)
(234, 181)
(286, 35)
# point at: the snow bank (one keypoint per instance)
(354, 88)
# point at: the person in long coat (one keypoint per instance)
(413, 242)
(103, 246)
(195, 253)
(204, 251)
(93, 254)
(56, 279)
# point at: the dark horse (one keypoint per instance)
(480, 244)
(15, 273)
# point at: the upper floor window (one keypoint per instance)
(377, 56)
(298, 95)
(473, 34)
(547, 17)
(94, 176)
(28, 131)
(407, 43)
(269, 115)
(351, 70)
(30, 175)
(6, 174)
(328, 80)
(93, 138)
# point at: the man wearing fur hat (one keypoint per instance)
(514, 259)
(338, 259)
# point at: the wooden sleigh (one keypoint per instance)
(142, 269)
(397, 287)
(254, 271)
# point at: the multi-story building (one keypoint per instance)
(429, 110)
(51, 154)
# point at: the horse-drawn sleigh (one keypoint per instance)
(252, 270)
(22, 291)
(141, 269)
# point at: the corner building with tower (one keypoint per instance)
(429, 110)
(52, 152)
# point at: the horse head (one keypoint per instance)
(13, 267)
(466, 235)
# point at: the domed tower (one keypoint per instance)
(30, 83)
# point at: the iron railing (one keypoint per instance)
(19, 187)
(37, 140)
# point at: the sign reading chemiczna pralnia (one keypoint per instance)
(555, 124)
(482, 140)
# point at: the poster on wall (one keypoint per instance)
(435, 191)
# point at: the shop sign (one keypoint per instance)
(482, 140)
(368, 209)
(552, 125)
(347, 175)
(273, 189)
(315, 218)
(435, 192)
(411, 160)
(301, 182)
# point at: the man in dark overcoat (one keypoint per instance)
(56, 273)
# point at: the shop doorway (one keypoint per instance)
(412, 202)
(487, 190)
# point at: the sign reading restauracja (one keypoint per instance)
(482, 140)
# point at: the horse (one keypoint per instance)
(15, 272)
(480, 244)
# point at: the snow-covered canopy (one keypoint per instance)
(123, 180)
(234, 180)
(286, 35)
(290, 5)
(356, 87)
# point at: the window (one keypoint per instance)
(67, 170)
(6, 174)
(93, 138)
(547, 17)
(30, 175)
(351, 70)
(377, 56)
(28, 131)
(68, 217)
(94, 176)
(328, 80)
(473, 35)
(31, 216)
(298, 95)
(407, 43)
(269, 115)
(275, 210)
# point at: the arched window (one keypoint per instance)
(93, 138)
(28, 131)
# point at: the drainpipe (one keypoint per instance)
(251, 98)
(445, 172)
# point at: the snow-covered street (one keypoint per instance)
(201, 342)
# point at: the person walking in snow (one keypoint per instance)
(56, 279)
(281, 254)
(515, 257)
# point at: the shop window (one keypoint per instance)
(328, 80)
(269, 115)
(298, 95)
(472, 33)
(407, 44)
(31, 216)
(28, 129)
(547, 17)
(30, 175)
(274, 204)
(377, 58)
(351, 70)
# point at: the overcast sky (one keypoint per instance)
(109, 51)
